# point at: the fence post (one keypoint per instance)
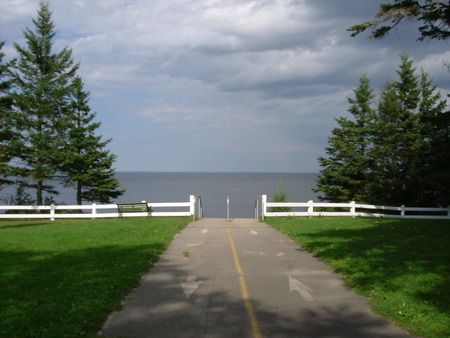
(402, 212)
(310, 207)
(263, 206)
(192, 205)
(94, 210)
(52, 212)
(353, 208)
(228, 208)
(195, 212)
(198, 203)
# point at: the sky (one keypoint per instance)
(222, 86)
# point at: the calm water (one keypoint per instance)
(242, 188)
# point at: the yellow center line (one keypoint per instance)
(256, 330)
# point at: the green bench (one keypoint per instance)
(133, 207)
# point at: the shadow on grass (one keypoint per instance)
(45, 294)
(411, 255)
(22, 224)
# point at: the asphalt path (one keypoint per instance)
(243, 279)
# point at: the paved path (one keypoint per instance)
(243, 279)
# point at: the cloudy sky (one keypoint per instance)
(214, 85)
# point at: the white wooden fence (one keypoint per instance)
(104, 210)
(350, 209)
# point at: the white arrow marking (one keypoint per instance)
(204, 231)
(253, 232)
(190, 285)
(302, 289)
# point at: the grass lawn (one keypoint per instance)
(402, 265)
(62, 278)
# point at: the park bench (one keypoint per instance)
(133, 207)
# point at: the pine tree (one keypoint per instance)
(345, 168)
(88, 165)
(434, 17)
(400, 158)
(281, 196)
(41, 80)
(396, 155)
(434, 174)
(385, 155)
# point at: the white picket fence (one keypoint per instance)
(104, 210)
(354, 209)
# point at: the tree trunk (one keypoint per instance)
(39, 188)
(79, 187)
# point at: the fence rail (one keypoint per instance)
(102, 210)
(353, 209)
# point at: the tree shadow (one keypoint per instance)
(159, 308)
(46, 294)
(21, 224)
(391, 249)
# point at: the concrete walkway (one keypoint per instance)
(243, 279)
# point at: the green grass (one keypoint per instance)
(402, 265)
(62, 278)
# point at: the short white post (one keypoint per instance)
(263, 206)
(228, 208)
(52, 212)
(402, 212)
(192, 205)
(199, 207)
(310, 207)
(94, 210)
(353, 208)
(195, 203)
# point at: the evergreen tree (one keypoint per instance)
(281, 196)
(41, 80)
(434, 174)
(385, 155)
(396, 155)
(433, 15)
(88, 165)
(398, 143)
(408, 160)
(345, 172)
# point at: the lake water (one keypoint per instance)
(242, 189)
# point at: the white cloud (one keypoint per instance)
(243, 77)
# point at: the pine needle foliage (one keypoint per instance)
(393, 154)
(281, 196)
(41, 79)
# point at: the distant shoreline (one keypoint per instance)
(218, 172)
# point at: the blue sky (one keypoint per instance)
(228, 86)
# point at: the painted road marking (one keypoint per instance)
(194, 244)
(204, 231)
(190, 285)
(253, 232)
(256, 330)
(303, 290)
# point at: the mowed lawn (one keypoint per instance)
(62, 278)
(403, 265)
